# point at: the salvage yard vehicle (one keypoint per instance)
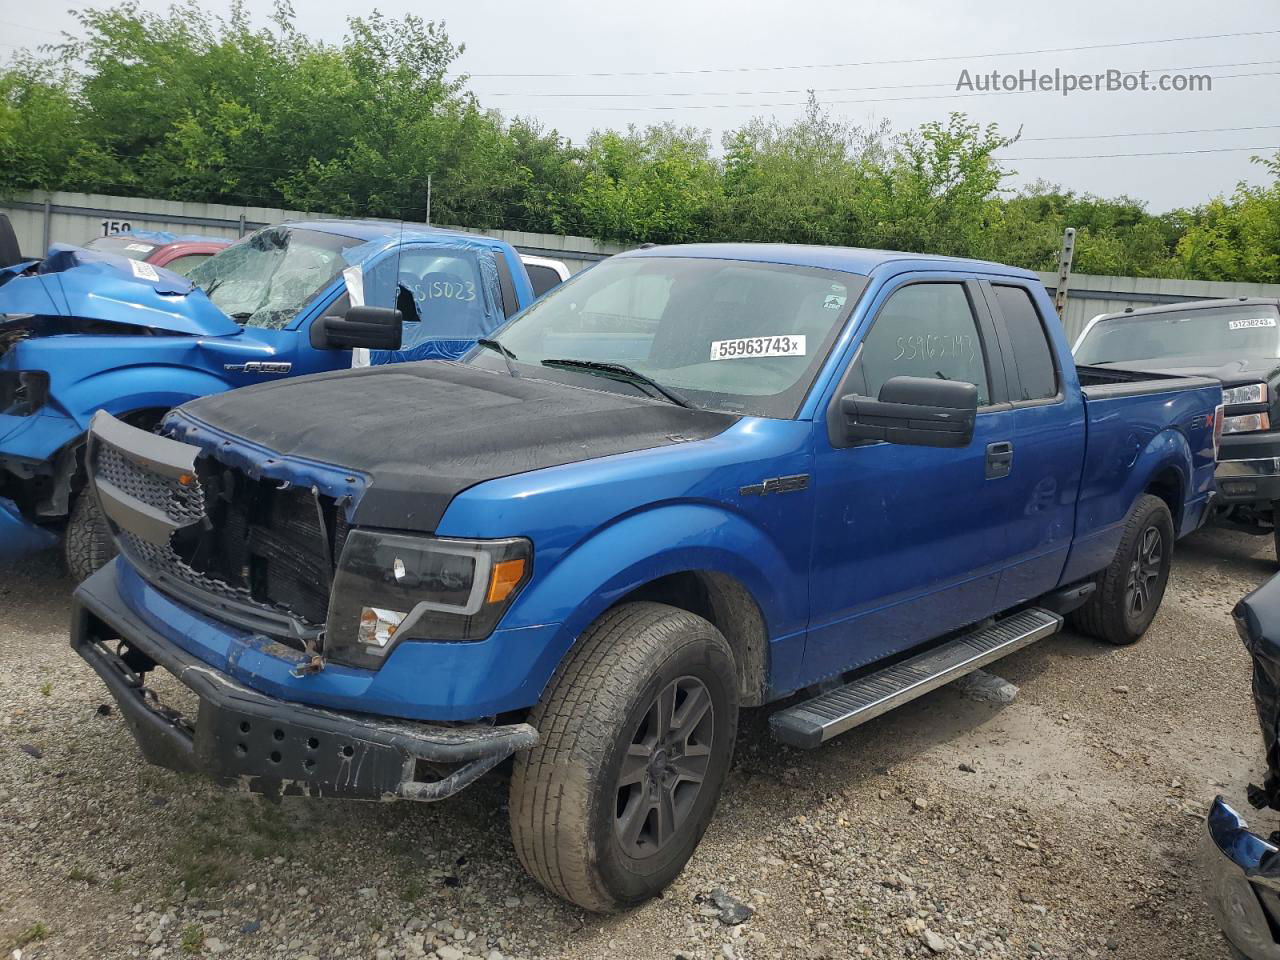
(1235, 341)
(181, 254)
(83, 330)
(688, 480)
(1241, 869)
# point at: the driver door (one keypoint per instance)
(909, 541)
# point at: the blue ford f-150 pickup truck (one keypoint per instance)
(689, 480)
(83, 330)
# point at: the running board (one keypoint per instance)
(812, 723)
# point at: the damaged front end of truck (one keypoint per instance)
(54, 316)
(217, 537)
(1242, 869)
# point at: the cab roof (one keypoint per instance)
(1182, 306)
(857, 260)
(369, 230)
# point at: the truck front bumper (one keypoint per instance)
(266, 744)
(1255, 480)
(20, 537)
(1242, 883)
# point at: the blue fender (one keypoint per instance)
(1108, 495)
(638, 549)
(121, 390)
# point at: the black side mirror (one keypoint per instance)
(373, 328)
(921, 411)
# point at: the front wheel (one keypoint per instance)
(637, 731)
(88, 544)
(1131, 588)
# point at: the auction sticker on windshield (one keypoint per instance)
(784, 345)
(1251, 324)
(144, 271)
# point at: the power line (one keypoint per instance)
(890, 86)
(1147, 133)
(24, 26)
(876, 63)
(1153, 153)
(801, 103)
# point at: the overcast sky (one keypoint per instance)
(759, 57)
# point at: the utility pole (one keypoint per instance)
(428, 199)
(1064, 271)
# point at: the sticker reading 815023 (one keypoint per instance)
(784, 345)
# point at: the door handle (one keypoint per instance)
(999, 459)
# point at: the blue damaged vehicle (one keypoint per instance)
(84, 330)
(686, 481)
(1242, 868)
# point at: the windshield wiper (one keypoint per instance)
(620, 371)
(507, 355)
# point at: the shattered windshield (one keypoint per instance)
(266, 279)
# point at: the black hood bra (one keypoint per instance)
(424, 432)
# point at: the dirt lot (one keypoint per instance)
(1062, 825)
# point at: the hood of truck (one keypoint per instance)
(75, 283)
(418, 434)
(1232, 371)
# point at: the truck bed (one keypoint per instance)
(1134, 416)
(1102, 383)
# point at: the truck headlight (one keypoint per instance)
(23, 392)
(393, 587)
(1249, 393)
(1246, 423)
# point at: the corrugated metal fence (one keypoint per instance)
(41, 219)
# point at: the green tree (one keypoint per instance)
(802, 182)
(1236, 238)
(659, 184)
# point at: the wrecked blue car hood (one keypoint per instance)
(75, 282)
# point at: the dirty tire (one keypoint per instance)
(88, 544)
(1110, 614)
(572, 794)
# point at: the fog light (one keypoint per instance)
(377, 626)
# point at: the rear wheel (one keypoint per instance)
(637, 731)
(88, 544)
(1131, 588)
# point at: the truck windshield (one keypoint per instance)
(268, 277)
(1231, 331)
(123, 245)
(727, 335)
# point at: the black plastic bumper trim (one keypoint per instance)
(263, 743)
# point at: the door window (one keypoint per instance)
(923, 330)
(542, 278)
(1031, 354)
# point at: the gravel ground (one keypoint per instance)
(1061, 825)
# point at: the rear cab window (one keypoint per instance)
(1035, 376)
(542, 278)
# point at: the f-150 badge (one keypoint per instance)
(258, 366)
(791, 484)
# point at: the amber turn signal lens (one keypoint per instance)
(185, 479)
(506, 576)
